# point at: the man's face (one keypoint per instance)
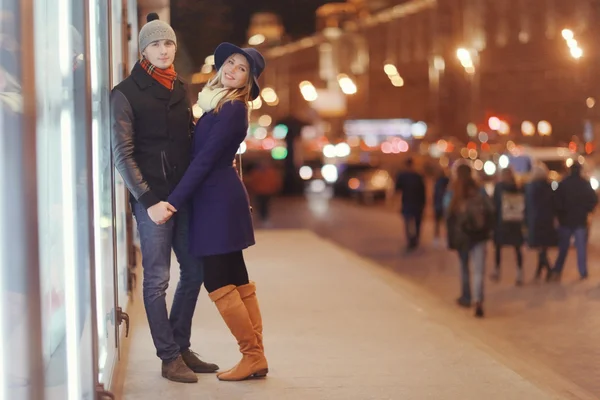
(160, 53)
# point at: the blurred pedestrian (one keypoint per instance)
(439, 191)
(263, 181)
(574, 201)
(540, 217)
(470, 218)
(411, 185)
(509, 203)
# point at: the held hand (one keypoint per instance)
(160, 212)
(170, 207)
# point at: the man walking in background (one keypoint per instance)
(575, 200)
(412, 187)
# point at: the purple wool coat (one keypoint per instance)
(220, 220)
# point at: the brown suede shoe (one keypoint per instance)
(177, 371)
(192, 360)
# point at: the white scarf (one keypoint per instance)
(208, 98)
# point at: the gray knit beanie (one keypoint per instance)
(155, 30)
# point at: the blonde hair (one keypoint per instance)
(240, 94)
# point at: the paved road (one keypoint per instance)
(555, 325)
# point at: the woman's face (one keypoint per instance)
(235, 72)
(160, 53)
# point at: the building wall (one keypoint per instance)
(524, 69)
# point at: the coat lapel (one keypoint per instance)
(178, 93)
(147, 83)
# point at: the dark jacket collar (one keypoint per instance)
(146, 82)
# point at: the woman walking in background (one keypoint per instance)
(509, 202)
(439, 192)
(470, 220)
(540, 217)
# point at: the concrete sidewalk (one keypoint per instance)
(337, 327)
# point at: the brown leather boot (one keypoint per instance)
(248, 295)
(234, 313)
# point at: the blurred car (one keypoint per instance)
(364, 182)
(311, 173)
(557, 159)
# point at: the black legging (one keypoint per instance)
(543, 262)
(224, 269)
(517, 250)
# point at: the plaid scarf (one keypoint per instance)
(165, 77)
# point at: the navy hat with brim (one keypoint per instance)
(255, 59)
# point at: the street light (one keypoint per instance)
(308, 91)
(347, 84)
(463, 54)
(527, 128)
(567, 34)
(256, 104)
(465, 59)
(390, 69)
(397, 80)
(544, 128)
(576, 52)
(471, 129)
(494, 123)
(590, 102)
(257, 39)
(270, 96)
(504, 128)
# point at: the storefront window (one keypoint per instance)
(121, 194)
(19, 280)
(103, 188)
(63, 200)
(62, 219)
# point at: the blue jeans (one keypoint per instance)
(564, 242)
(170, 335)
(477, 254)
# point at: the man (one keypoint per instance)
(412, 186)
(152, 123)
(575, 200)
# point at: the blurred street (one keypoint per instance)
(549, 324)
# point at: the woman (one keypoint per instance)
(509, 203)
(539, 217)
(221, 223)
(470, 220)
(439, 191)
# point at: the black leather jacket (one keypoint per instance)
(151, 132)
